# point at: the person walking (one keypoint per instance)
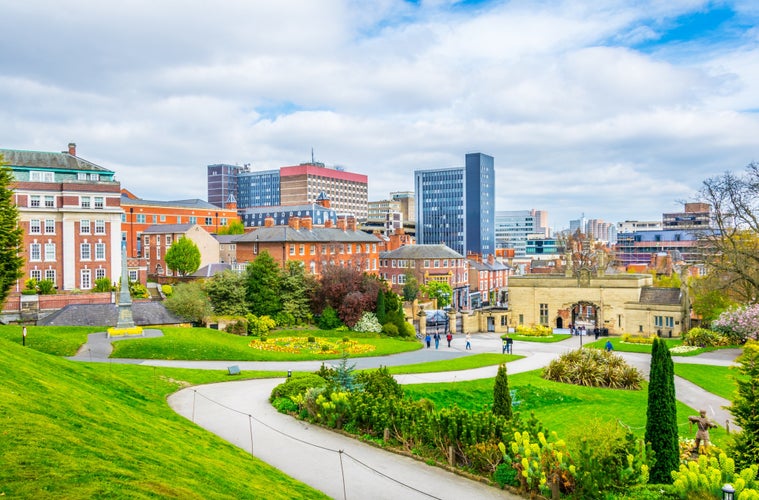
(449, 337)
(437, 340)
(608, 346)
(468, 341)
(428, 339)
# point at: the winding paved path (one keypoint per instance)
(341, 466)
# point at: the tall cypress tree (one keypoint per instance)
(501, 393)
(745, 408)
(661, 415)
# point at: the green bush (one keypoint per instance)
(380, 383)
(390, 330)
(138, 290)
(328, 319)
(637, 339)
(167, 290)
(46, 287)
(703, 337)
(705, 477)
(285, 405)
(297, 385)
(102, 285)
(238, 327)
(31, 285)
(593, 368)
(259, 325)
(534, 330)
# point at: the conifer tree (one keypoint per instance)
(501, 393)
(11, 236)
(661, 416)
(745, 408)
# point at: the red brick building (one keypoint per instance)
(69, 209)
(316, 247)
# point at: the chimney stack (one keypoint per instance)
(352, 226)
(294, 223)
(269, 222)
(341, 223)
(328, 223)
(306, 223)
(72, 148)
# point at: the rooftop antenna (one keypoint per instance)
(312, 155)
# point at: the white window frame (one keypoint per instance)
(36, 274)
(85, 279)
(99, 203)
(35, 252)
(85, 226)
(85, 251)
(50, 275)
(99, 226)
(49, 226)
(99, 251)
(99, 273)
(35, 200)
(50, 252)
(35, 226)
(49, 201)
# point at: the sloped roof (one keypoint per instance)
(168, 228)
(280, 234)
(660, 296)
(192, 203)
(43, 159)
(143, 314)
(211, 270)
(440, 251)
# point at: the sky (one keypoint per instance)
(615, 110)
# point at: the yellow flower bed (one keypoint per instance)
(637, 339)
(534, 330)
(297, 345)
(118, 332)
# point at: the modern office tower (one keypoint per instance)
(601, 231)
(304, 183)
(407, 204)
(222, 181)
(694, 216)
(456, 206)
(258, 189)
(512, 227)
(296, 185)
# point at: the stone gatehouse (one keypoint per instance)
(621, 303)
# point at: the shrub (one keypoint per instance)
(238, 327)
(297, 385)
(505, 474)
(637, 339)
(46, 287)
(284, 319)
(706, 476)
(102, 285)
(328, 319)
(380, 383)
(484, 457)
(285, 405)
(167, 290)
(534, 330)
(703, 337)
(259, 325)
(31, 285)
(593, 368)
(390, 330)
(368, 324)
(138, 290)
(407, 330)
(739, 325)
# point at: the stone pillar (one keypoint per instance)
(452, 321)
(422, 316)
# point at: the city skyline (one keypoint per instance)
(618, 111)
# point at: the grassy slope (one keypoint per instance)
(719, 380)
(208, 344)
(560, 407)
(75, 430)
(56, 340)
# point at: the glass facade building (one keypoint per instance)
(456, 206)
(258, 189)
(222, 181)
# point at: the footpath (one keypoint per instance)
(342, 467)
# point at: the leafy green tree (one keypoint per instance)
(226, 291)
(745, 408)
(183, 257)
(438, 290)
(501, 393)
(661, 415)
(410, 288)
(328, 319)
(263, 278)
(295, 289)
(11, 235)
(189, 301)
(671, 281)
(233, 227)
(709, 298)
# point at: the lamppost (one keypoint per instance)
(728, 492)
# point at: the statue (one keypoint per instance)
(703, 424)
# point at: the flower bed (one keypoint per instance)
(319, 345)
(638, 339)
(681, 349)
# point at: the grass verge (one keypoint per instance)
(457, 364)
(556, 337)
(55, 340)
(719, 380)
(213, 345)
(94, 430)
(560, 407)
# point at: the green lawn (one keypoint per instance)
(55, 340)
(556, 337)
(213, 345)
(94, 430)
(618, 345)
(560, 407)
(719, 380)
(462, 363)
